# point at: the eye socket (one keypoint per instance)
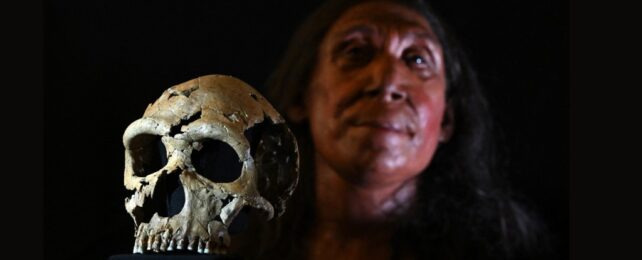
(217, 161)
(148, 154)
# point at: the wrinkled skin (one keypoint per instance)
(375, 106)
(377, 97)
(212, 107)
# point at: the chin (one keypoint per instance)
(386, 162)
(378, 174)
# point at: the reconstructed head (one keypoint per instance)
(382, 92)
(377, 95)
(217, 143)
(350, 43)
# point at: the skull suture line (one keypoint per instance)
(181, 122)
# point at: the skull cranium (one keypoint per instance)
(183, 122)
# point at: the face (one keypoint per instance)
(377, 96)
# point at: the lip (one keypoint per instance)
(383, 125)
(395, 118)
(386, 124)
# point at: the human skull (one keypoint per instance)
(178, 127)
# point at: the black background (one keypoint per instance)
(105, 61)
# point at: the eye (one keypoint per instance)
(417, 59)
(420, 61)
(359, 55)
(358, 52)
(354, 54)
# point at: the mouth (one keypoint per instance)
(382, 117)
(386, 125)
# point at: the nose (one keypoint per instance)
(387, 80)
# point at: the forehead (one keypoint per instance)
(381, 17)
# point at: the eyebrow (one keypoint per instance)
(415, 32)
(418, 31)
(424, 35)
(362, 28)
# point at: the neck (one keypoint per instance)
(354, 221)
(349, 206)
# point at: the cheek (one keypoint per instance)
(431, 113)
(321, 108)
(324, 101)
(317, 111)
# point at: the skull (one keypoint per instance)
(167, 153)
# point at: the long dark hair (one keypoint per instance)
(463, 208)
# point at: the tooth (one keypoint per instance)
(135, 246)
(164, 240)
(141, 237)
(191, 244)
(138, 248)
(200, 246)
(150, 241)
(208, 246)
(141, 244)
(171, 245)
(156, 244)
(180, 244)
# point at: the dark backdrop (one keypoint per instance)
(105, 61)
